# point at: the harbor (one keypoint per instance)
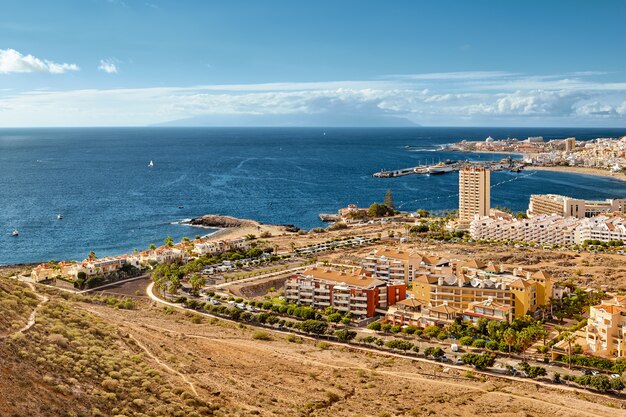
(448, 166)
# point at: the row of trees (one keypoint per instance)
(517, 336)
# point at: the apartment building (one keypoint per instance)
(474, 282)
(395, 264)
(488, 309)
(547, 204)
(357, 293)
(545, 229)
(550, 229)
(606, 328)
(570, 144)
(602, 228)
(214, 248)
(474, 193)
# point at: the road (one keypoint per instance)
(158, 300)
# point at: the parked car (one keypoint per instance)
(459, 361)
(215, 302)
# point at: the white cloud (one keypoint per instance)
(108, 65)
(435, 99)
(11, 61)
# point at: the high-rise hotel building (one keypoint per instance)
(474, 193)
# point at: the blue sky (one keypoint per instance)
(135, 62)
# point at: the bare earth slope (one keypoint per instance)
(87, 358)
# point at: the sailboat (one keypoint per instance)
(15, 233)
(150, 164)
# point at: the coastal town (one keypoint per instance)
(601, 156)
(312, 209)
(376, 270)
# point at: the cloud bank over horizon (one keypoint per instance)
(493, 98)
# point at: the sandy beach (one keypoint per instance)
(580, 170)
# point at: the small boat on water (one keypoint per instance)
(150, 164)
(59, 216)
(15, 233)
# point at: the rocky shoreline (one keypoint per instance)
(219, 221)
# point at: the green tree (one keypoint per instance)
(169, 241)
(152, 246)
(197, 281)
(334, 317)
(92, 255)
(399, 344)
(466, 341)
(376, 326)
(509, 337)
(568, 337)
(389, 200)
(379, 210)
(345, 335)
(314, 326)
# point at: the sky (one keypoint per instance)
(300, 63)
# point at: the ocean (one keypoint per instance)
(112, 202)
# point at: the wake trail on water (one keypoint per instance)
(445, 197)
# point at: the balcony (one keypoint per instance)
(359, 305)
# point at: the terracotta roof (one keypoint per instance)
(393, 253)
(445, 309)
(326, 274)
(474, 264)
(426, 279)
(521, 283)
(611, 308)
(411, 302)
(541, 275)
(493, 268)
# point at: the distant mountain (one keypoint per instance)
(295, 120)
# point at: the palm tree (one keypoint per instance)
(509, 337)
(173, 285)
(92, 255)
(152, 246)
(569, 337)
(525, 340)
(197, 281)
(169, 241)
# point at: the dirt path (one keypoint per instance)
(165, 365)
(31, 319)
(412, 376)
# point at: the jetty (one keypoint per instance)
(330, 218)
(452, 166)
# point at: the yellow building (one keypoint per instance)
(606, 328)
(474, 193)
(474, 282)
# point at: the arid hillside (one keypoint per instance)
(89, 356)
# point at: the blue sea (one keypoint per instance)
(112, 202)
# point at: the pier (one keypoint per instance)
(452, 166)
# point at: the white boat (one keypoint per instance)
(150, 164)
(59, 216)
(15, 233)
(439, 169)
(616, 168)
